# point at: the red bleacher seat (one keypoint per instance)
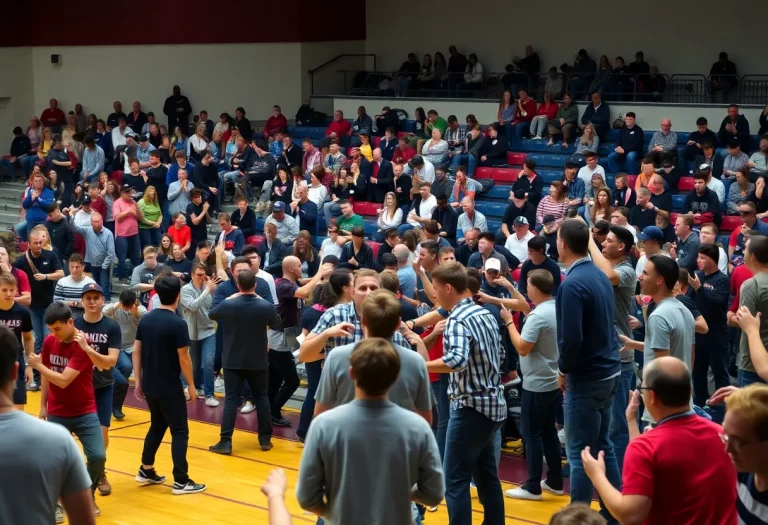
(515, 158)
(673, 217)
(255, 240)
(631, 179)
(367, 209)
(376, 141)
(516, 274)
(374, 246)
(730, 223)
(6, 157)
(484, 173)
(505, 174)
(402, 134)
(116, 176)
(685, 184)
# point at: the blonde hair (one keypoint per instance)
(150, 192)
(307, 254)
(391, 209)
(591, 134)
(752, 403)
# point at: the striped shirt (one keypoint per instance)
(67, 289)
(346, 313)
(752, 505)
(472, 348)
(548, 206)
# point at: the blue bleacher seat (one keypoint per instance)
(497, 192)
(678, 203)
(550, 176)
(491, 209)
(548, 160)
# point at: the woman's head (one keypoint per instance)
(239, 113)
(177, 132)
(38, 181)
(742, 178)
(557, 191)
(589, 130)
(548, 98)
(390, 200)
(506, 97)
(567, 99)
(150, 195)
(472, 59)
(603, 196)
(165, 142)
(365, 139)
(436, 135)
(47, 134)
(53, 177)
(315, 177)
(427, 61)
(303, 241)
(604, 62)
(34, 122)
(216, 136)
(200, 130)
(113, 189)
(166, 242)
(420, 115)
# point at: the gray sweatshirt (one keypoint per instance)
(194, 306)
(361, 451)
(127, 321)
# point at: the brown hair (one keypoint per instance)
(381, 312)
(577, 514)
(308, 254)
(389, 281)
(365, 272)
(542, 280)
(375, 364)
(9, 279)
(453, 274)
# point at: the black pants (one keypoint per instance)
(537, 425)
(714, 356)
(283, 380)
(233, 387)
(168, 412)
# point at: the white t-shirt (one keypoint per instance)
(330, 248)
(640, 266)
(585, 174)
(427, 172)
(270, 282)
(426, 207)
(718, 187)
(519, 247)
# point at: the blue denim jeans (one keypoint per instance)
(314, 370)
(619, 429)
(330, 210)
(202, 353)
(470, 161)
(104, 278)
(121, 372)
(588, 408)
(88, 430)
(150, 237)
(40, 330)
(631, 162)
(127, 247)
(440, 392)
(470, 453)
(746, 377)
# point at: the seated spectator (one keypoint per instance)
(426, 76)
(463, 187)
(722, 78)
(421, 209)
(591, 168)
(244, 218)
(382, 179)
(646, 172)
(735, 160)
(318, 192)
(306, 254)
(435, 150)
(330, 247)
(442, 184)
(506, 114)
(281, 189)
(739, 191)
(710, 158)
(564, 123)
(734, 126)
(362, 171)
(623, 195)
(435, 121)
(581, 73)
(760, 198)
(546, 112)
(517, 242)
(455, 135)
(292, 153)
(303, 209)
(20, 149)
(575, 187)
(339, 128)
(670, 173)
(473, 76)
(526, 110)
(287, 226)
(469, 155)
(407, 74)
(758, 162)
(234, 241)
(697, 139)
(589, 141)
(661, 198)
(521, 70)
(493, 151)
(599, 207)
(470, 219)
(348, 219)
(629, 146)
(365, 148)
(487, 250)
(180, 265)
(403, 153)
(621, 84)
(663, 223)
(387, 119)
(388, 143)
(276, 123)
(701, 203)
(432, 233)
(363, 124)
(553, 204)
(356, 254)
(518, 207)
(601, 82)
(644, 214)
(598, 114)
(620, 217)
(653, 85)
(529, 182)
(419, 133)
(390, 216)
(446, 218)
(664, 477)
(554, 83)
(663, 144)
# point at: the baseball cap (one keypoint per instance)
(86, 200)
(278, 206)
(652, 233)
(548, 218)
(705, 167)
(519, 194)
(519, 221)
(143, 138)
(126, 188)
(416, 162)
(92, 287)
(493, 264)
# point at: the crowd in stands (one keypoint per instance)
(593, 308)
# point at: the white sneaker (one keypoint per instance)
(186, 393)
(521, 493)
(547, 488)
(211, 401)
(247, 408)
(537, 137)
(561, 436)
(200, 393)
(218, 385)
(513, 382)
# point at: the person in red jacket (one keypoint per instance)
(546, 112)
(53, 117)
(276, 123)
(339, 129)
(526, 110)
(403, 152)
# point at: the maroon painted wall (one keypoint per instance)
(148, 22)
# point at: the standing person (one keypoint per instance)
(196, 301)
(711, 290)
(17, 318)
(244, 318)
(178, 110)
(537, 347)
(614, 262)
(589, 364)
(43, 268)
(143, 275)
(100, 251)
(127, 244)
(69, 289)
(686, 248)
(67, 388)
(104, 337)
(28, 446)
(472, 354)
(127, 312)
(370, 435)
(160, 357)
(283, 378)
(754, 296)
(665, 479)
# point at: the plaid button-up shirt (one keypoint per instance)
(346, 313)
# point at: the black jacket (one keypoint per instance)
(385, 181)
(156, 178)
(495, 150)
(387, 120)
(513, 212)
(364, 257)
(205, 177)
(246, 223)
(663, 201)
(618, 198)
(742, 133)
(292, 157)
(247, 156)
(278, 252)
(136, 123)
(448, 220)
(532, 188)
(716, 162)
(631, 139)
(62, 237)
(642, 218)
(244, 127)
(388, 147)
(177, 118)
(20, 146)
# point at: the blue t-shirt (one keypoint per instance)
(407, 278)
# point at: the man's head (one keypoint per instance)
(365, 282)
(485, 243)
(278, 211)
(198, 274)
(36, 242)
(591, 158)
(246, 281)
(666, 126)
(432, 115)
(708, 233)
(270, 231)
(150, 257)
(707, 259)
(733, 109)
(701, 124)
(643, 196)
(659, 275)
(447, 254)
(596, 99)
(389, 262)
(745, 428)
(756, 253)
(573, 240)
(540, 286)
(432, 230)
(53, 103)
(450, 283)
(748, 212)
(629, 119)
(61, 324)
(402, 253)
(652, 239)
(683, 226)
(521, 226)
(468, 205)
(391, 236)
(168, 289)
(734, 147)
(428, 255)
(425, 189)
(203, 251)
(492, 269)
(381, 314)
(361, 111)
(358, 235)
(700, 182)
(92, 298)
(666, 387)
(618, 243)
(8, 287)
(346, 208)
(76, 266)
(374, 366)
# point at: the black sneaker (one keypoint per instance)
(300, 438)
(266, 444)
(280, 422)
(149, 476)
(222, 447)
(118, 414)
(190, 487)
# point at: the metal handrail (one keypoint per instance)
(335, 59)
(754, 89)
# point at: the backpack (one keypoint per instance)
(402, 116)
(307, 116)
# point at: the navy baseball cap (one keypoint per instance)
(92, 287)
(652, 233)
(278, 206)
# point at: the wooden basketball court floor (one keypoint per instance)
(233, 495)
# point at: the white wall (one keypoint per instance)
(648, 117)
(16, 91)
(680, 37)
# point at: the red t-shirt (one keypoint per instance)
(22, 281)
(683, 467)
(180, 237)
(78, 398)
(739, 275)
(340, 127)
(436, 352)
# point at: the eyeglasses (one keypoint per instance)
(733, 444)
